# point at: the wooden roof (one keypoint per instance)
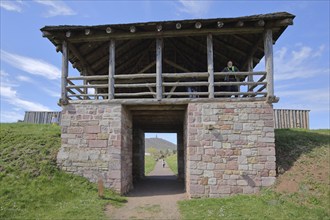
(234, 39)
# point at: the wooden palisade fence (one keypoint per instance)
(291, 118)
(41, 117)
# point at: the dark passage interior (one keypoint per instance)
(157, 119)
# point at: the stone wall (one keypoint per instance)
(230, 148)
(96, 143)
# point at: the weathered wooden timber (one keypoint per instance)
(179, 58)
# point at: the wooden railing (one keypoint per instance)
(173, 85)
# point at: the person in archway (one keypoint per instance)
(230, 78)
(163, 163)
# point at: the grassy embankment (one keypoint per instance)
(32, 187)
(149, 164)
(172, 163)
(301, 191)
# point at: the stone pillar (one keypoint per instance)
(230, 148)
(97, 142)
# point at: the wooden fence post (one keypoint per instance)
(65, 72)
(159, 59)
(111, 81)
(250, 69)
(210, 67)
(269, 62)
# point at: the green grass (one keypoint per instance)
(301, 156)
(32, 187)
(149, 164)
(172, 162)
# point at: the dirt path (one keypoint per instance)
(155, 197)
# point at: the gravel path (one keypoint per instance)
(155, 197)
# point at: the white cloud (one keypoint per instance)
(4, 79)
(56, 8)
(11, 5)
(195, 8)
(9, 95)
(300, 63)
(316, 100)
(10, 116)
(24, 79)
(31, 65)
(52, 93)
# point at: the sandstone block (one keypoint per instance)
(267, 181)
(246, 152)
(266, 151)
(75, 130)
(248, 189)
(212, 181)
(210, 166)
(208, 173)
(98, 143)
(217, 144)
(92, 129)
(220, 189)
(196, 189)
(203, 181)
(242, 182)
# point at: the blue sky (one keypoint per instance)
(30, 66)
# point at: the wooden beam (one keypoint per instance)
(175, 65)
(65, 72)
(88, 86)
(78, 38)
(173, 101)
(134, 94)
(269, 61)
(250, 69)
(252, 52)
(144, 53)
(89, 77)
(112, 63)
(135, 76)
(135, 85)
(189, 59)
(226, 44)
(147, 67)
(214, 51)
(81, 58)
(210, 67)
(129, 57)
(159, 59)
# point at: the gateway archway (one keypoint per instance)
(156, 119)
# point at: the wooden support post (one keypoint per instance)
(250, 69)
(65, 72)
(159, 59)
(111, 80)
(210, 67)
(268, 47)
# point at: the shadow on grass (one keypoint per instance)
(292, 143)
(117, 200)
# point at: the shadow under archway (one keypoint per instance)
(161, 181)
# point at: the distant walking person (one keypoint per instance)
(163, 163)
(231, 78)
(54, 120)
